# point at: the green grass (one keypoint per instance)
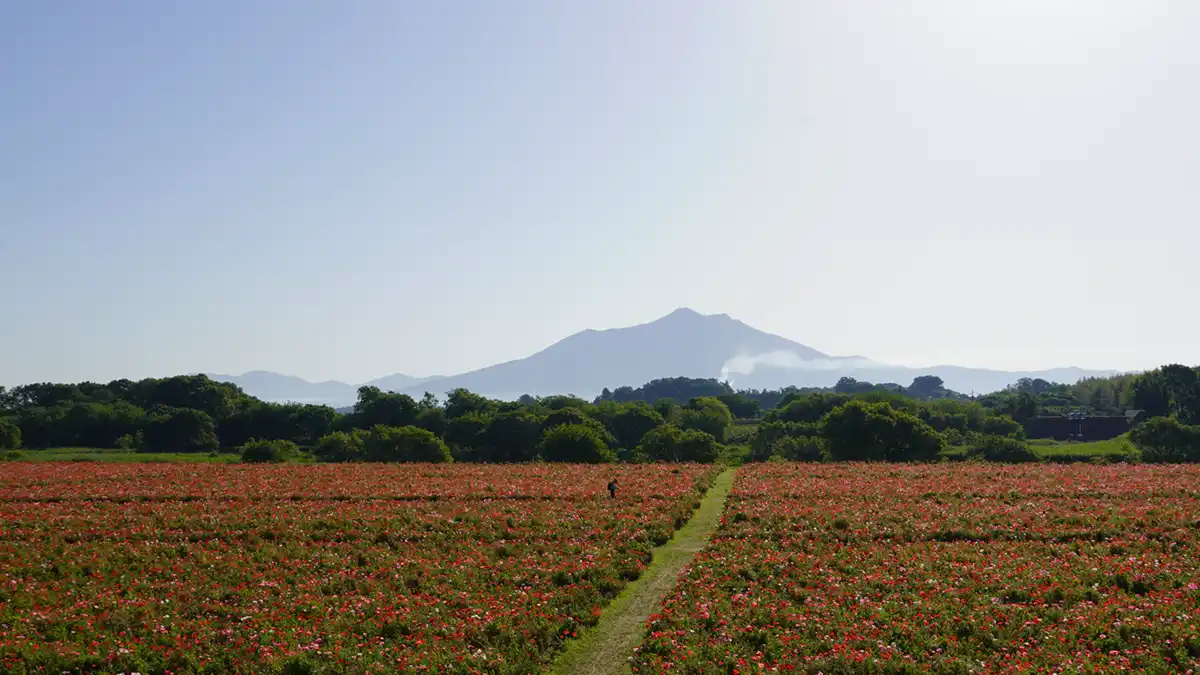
(1049, 450)
(111, 455)
(1116, 449)
(1109, 447)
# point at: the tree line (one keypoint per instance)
(671, 419)
(752, 403)
(196, 414)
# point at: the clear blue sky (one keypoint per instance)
(350, 189)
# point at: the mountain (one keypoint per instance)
(687, 343)
(397, 382)
(683, 343)
(270, 386)
(279, 388)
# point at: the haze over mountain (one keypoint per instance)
(682, 343)
(271, 386)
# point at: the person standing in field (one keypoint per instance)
(612, 488)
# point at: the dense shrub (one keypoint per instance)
(1165, 440)
(10, 435)
(798, 449)
(465, 434)
(135, 441)
(341, 446)
(669, 443)
(575, 417)
(697, 446)
(404, 444)
(949, 415)
(770, 434)
(566, 415)
(861, 431)
(269, 451)
(659, 444)
(1001, 449)
(512, 436)
(806, 408)
(1002, 425)
(632, 422)
(707, 414)
(575, 443)
(432, 420)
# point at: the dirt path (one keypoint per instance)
(605, 649)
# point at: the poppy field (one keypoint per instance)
(962, 568)
(190, 568)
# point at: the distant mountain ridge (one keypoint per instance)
(279, 388)
(683, 343)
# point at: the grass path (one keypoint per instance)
(605, 649)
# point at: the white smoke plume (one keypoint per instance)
(746, 364)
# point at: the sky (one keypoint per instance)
(343, 190)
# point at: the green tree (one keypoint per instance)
(741, 406)
(560, 402)
(707, 414)
(677, 389)
(769, 438)
(849, 385)
(135, 442)
(697, 446)
(462, 402)
(1164, 440)
(428, 402)
(257, 420)
(513, 436)
(659, 444)
(181, 430)
(1021, 407)
(574, 443)
(1034, 386)
(1024, 407)
(10, 434)
(432, 420)
(798, 449)
(1002, 425)
(311, 422)
(44, 427)
(632, 422)
(378, 408)
(574, 416)
(927, 386)
(862, 431)
(41, 395)
(341, 446)
(1149, 393)
(669, 443)
(1183, 388)
(668, 409)
(561, 416)
(465, 435)
(260, 451)
(218, 400)
(806, 408)
(404, 444)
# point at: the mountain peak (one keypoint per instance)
(683, 313)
